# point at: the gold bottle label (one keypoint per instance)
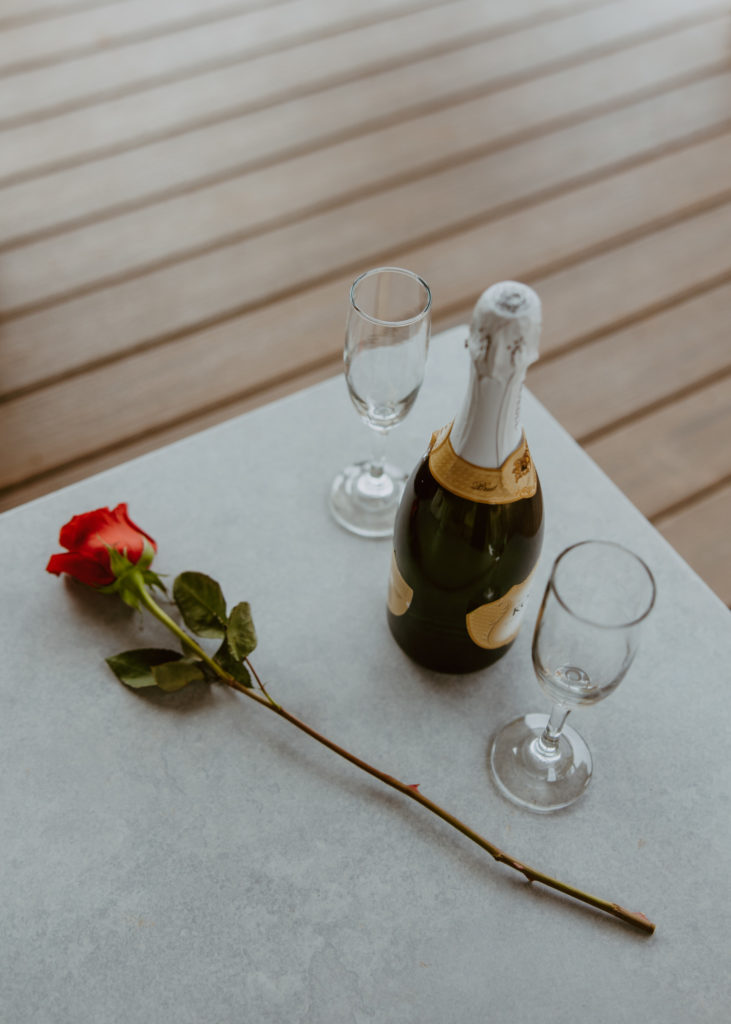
(400, 593)
(496, 624)
(515, 479)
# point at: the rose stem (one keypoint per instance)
(628, 916)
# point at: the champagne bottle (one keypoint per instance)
(469, 528)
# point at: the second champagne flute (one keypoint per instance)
(386, 345)
(585, 639)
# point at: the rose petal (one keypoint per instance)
(121, 511)
(75, 533)
(85, 570)
(92, 532)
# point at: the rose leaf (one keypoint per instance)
(240, 632)
(174, 675)
(135, 668)
(201, 603)
(232, 665)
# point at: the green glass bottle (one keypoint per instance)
(469, 528)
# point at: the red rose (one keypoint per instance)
(88, 538)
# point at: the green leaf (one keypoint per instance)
(153, 580)
(228, 663)
(118, 561)
(148, 554)
(135, 668)
(201, 603)
(240, 632)
(239, 642)
(174, 675)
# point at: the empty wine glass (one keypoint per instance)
(585, 639)
(386, 344)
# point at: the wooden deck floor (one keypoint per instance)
(187, 188)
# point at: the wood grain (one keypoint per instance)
(645, 364)
(249, 204)
(187, 295)
(700, 534)
(210, 71)
(525, 242)
(288, 137)
(113, 125)
(187, 190)
(22, 12)
(196, 36)
(74, 31)
(681, 447)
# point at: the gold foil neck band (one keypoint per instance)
(514, 480)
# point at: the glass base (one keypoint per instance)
(364, 503)
(534, 777)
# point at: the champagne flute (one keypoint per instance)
(585, 639)
(386, 344)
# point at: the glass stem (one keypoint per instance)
(548, 743)
(378, 457)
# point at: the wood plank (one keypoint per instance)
(610, 290)
(616, 376)
(184, 296)
(617, 267)
(700, 534)
(21, 12)
(70, 473)
(114, 125)
(73, 32)
(77, 260)
(256, 139)
(205, 48)
(685, 447)
(197, 41)
(88, 412)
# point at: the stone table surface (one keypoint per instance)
(194, 859)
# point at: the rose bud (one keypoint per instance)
(101, 546)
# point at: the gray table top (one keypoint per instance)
(192, 858)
